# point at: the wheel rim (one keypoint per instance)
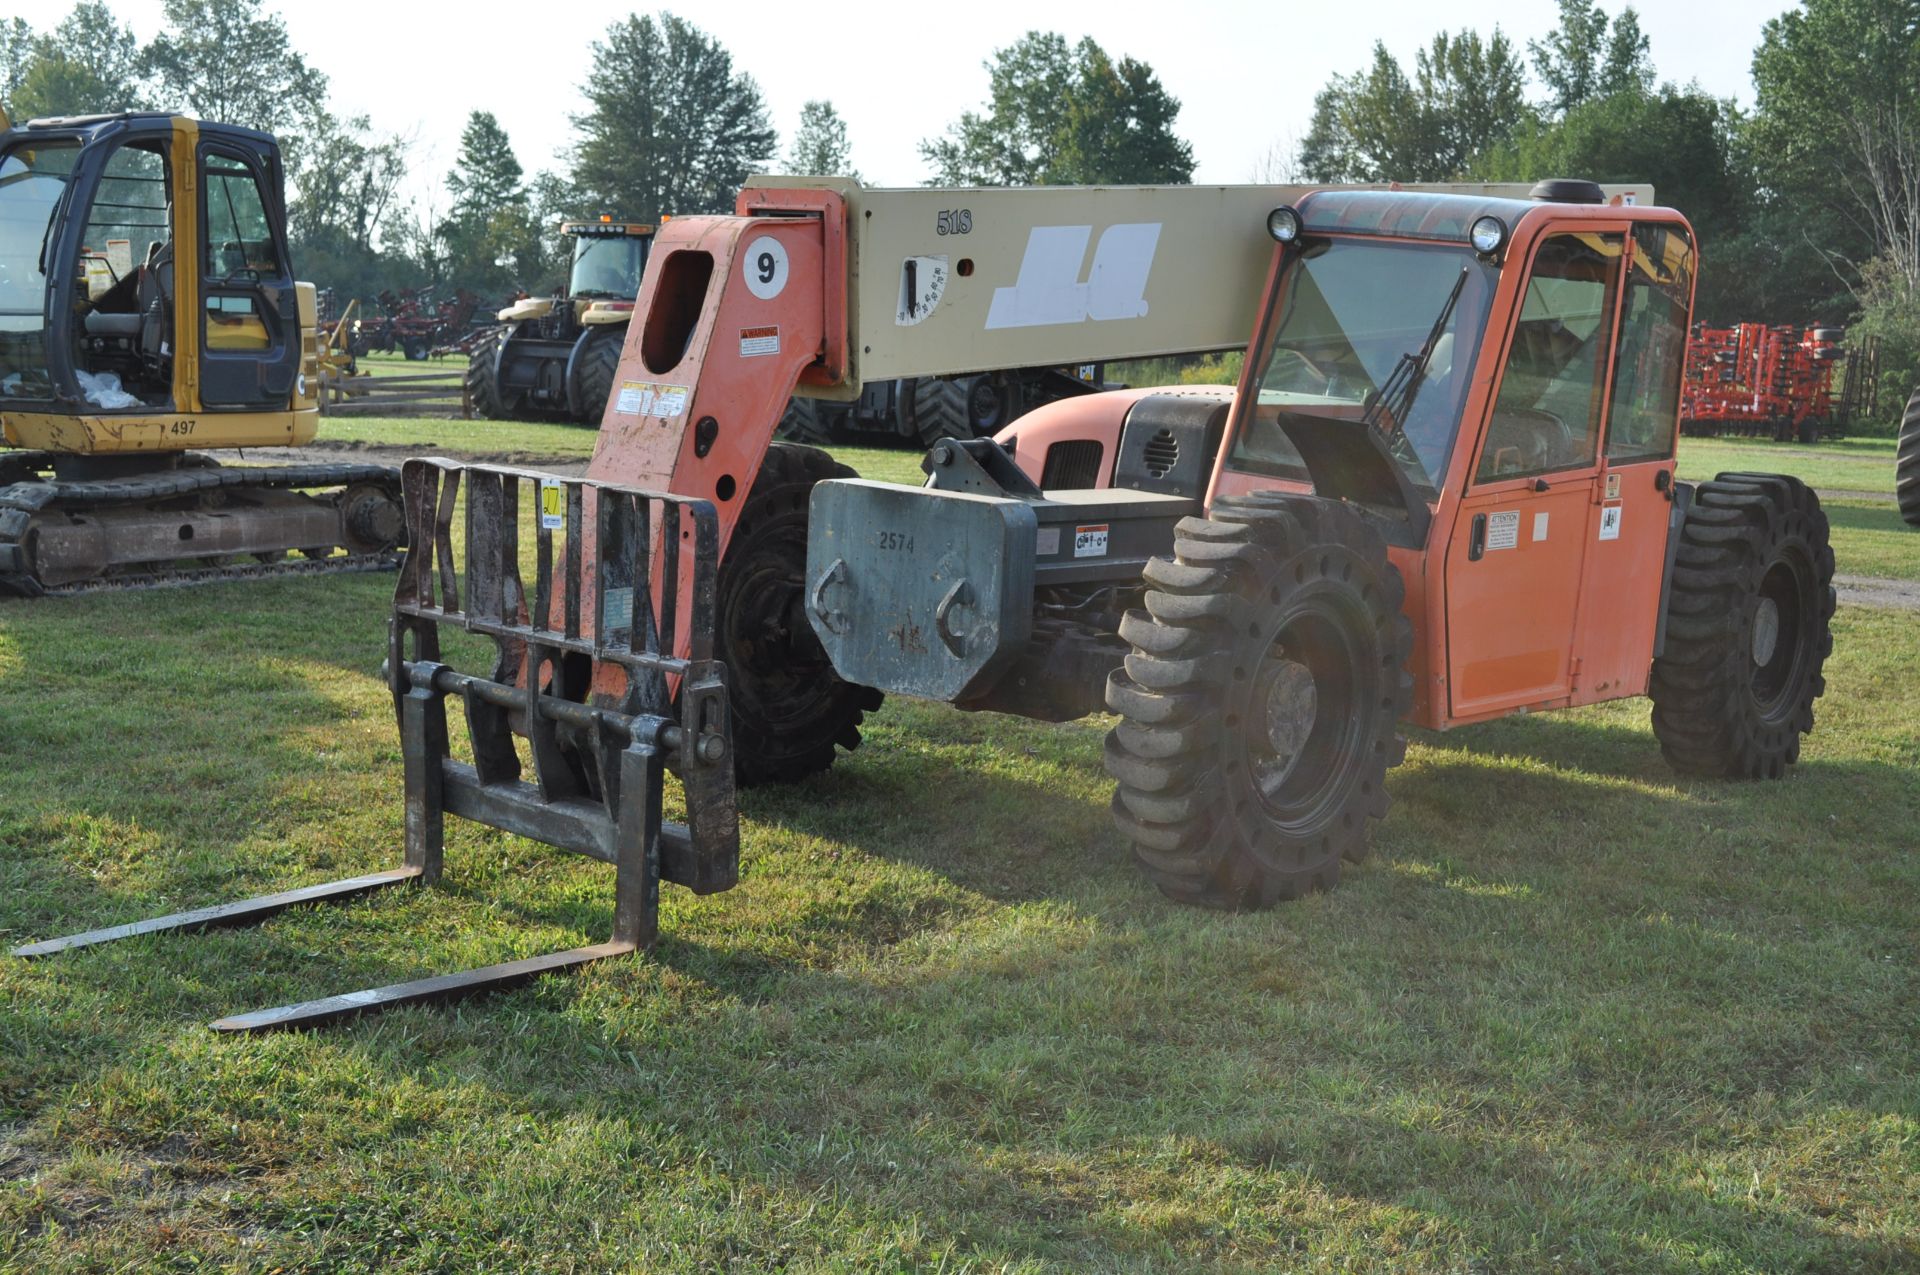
(1777, 650)
(983, 407)
(1305, 718)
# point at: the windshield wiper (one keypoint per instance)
(1411, 370)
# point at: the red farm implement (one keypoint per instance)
(1775, 381)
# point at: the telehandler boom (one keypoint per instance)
(1442, 492)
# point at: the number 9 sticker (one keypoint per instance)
(765, 267)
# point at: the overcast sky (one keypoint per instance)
(1245, 73)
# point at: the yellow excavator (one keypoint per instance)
(148, 309)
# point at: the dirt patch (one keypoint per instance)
(1873, 591)
(16, 1159)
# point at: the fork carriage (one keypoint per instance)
(606, 668)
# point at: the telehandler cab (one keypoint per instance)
(148, 307)
(1442, 492)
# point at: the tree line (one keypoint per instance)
(1807, 205)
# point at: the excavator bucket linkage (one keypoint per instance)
(584, 669)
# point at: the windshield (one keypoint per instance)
(32, 181)
(1354, 311)
(607, 266)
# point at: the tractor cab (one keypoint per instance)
(143, 271)
(1494, 383)
(609, 258)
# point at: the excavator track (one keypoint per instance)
(192, 524)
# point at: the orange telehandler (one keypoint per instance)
(1442, 492)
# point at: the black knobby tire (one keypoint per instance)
(969, 407)
(1906, 464)
(594, 372)
(417, 348)
(1749, 617)
(1261, 702)
(483, 378)
(804, 422)
(790, 709)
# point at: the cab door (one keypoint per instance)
(249, 317)
(1627, 533)
(1515, 556)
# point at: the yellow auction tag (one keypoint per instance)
(553, 504)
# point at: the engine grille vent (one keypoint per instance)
(1162, 453)
(1071, 465)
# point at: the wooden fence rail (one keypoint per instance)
(416, 394)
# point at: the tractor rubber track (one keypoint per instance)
(26, 492)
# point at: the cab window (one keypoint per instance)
(1653, 346)
(1547, 414)
(239, 234)
(127, 225)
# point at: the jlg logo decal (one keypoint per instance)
(1050, 290)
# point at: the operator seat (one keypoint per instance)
(156, 301)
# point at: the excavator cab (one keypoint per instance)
(148, 307)
(144, 272)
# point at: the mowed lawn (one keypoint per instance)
(1575, 1014)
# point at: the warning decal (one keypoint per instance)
(1610, 522)
(761, 340)
(644, 398)
(1503, 530)
(1090, 541)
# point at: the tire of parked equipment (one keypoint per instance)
(482, 379)
(1261, 701)
(1906, 464)
(417, 349)
(790, 709)
(594, 372)
(1748, 629)
(803, 422)
(970, 407)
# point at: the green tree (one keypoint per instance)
(1679, 140)
(490, 240)
(1629, 63)
(1119, 125)
(1568, 61)
(486, 176)
(1836, 146)
(88, 65)
(1465, 95)
(1837, 122)
(16, 55)
(820, 146)
(230, 61)
(1064, 115)
(672, 127)
(344, 206)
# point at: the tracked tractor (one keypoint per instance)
(148, 308)
(1442, 492)
(554, 357)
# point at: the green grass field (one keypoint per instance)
(1575, 1014)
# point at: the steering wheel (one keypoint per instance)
(1542, 440)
